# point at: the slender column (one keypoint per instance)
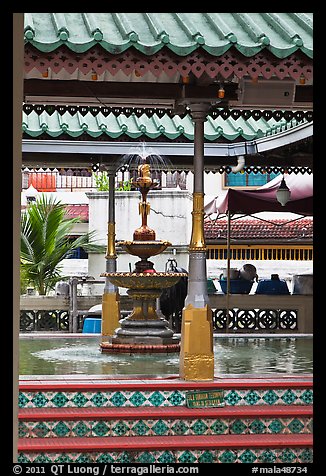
(17, 101)
(111, 297)
(196, 352)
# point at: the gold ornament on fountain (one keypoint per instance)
(144, 182)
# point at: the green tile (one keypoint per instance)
(63, 459)
(179, 428)
(39, 400)
(166, 457)
(41, 429)
(287, 456)
(176, 398)
(118, 399)
(160, 428)
(247, 457)
(276, 426)
(289, 397)
(23, 429)
(120, 428)
(84, 458)
(232, 397)
(257, 426)
(22, 400)
(105, 458)
(81, 429)
(125, 457)
(238, 427)
(207, 457)
(252, 397)
(79, 400)
(59, 399)
(145, 457)
(99, 399)
(219, 427)
(100, 429)
(267, 456)
(61, 429)
(187, 457)
(156, 399)
(296, 426)
(137, 399)
(199, 427)
(140, 428)
(42, 458)
(23, 458)
(306, 456)
(270, 397)
(227, 456)
(307, 397)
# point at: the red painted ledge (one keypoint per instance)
(163, 384)
(118, 443)
(125, 413)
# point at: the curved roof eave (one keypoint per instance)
(280, 139)
(183, 33)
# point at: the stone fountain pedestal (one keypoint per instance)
(144, 330)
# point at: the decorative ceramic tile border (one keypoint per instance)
(166, 427)
(129, 398)
(266, 455)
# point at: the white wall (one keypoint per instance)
(170, 217)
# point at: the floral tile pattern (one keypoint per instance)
(164, 427)
(270, 455)
(283, 396)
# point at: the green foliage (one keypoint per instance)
(45, 243)
(125, 186)
(102, 183)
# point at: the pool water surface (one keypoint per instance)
(232, 355)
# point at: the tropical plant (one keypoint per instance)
(124, 186)
(102, 183)
(45, 242)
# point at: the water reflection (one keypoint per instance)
(62, 356)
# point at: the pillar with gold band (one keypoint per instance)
(196, 351)
(111, 297)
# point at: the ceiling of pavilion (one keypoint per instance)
(181, 55)
(77, 65)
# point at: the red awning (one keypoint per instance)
(263, 199)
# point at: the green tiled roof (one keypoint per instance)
(280, 33)
(153, 127)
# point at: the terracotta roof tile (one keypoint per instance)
(77, 211)
(254, 229)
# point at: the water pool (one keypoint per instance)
(232, 355)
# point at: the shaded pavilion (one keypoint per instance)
(201, 65)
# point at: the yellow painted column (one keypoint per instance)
(196, 347)
(111, 297)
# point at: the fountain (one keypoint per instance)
(145, 330)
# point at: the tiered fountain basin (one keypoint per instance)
(143, 331)
(149, 281)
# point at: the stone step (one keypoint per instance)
(156, 392)
(249, 448)
(154, 421)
